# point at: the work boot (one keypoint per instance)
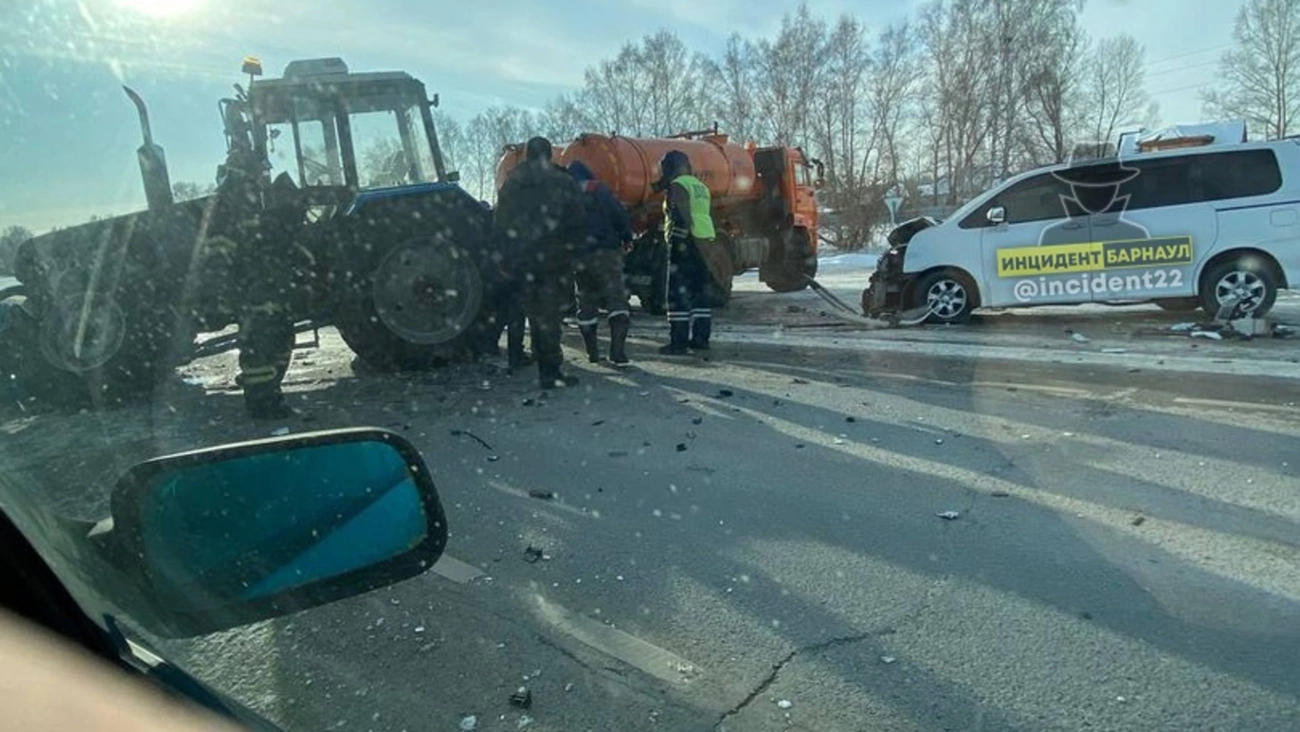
(556, 380)
(519, 359)
(679, 332)
(589, 339)
(266, 405)
(701, 331)
(618, 329)
(515, 355)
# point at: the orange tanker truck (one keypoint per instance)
(764, 207)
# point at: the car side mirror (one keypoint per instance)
(453, 176)
(996, 215)
(231, 535)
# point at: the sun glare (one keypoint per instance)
(160, 8)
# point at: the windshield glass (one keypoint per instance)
(708, 452)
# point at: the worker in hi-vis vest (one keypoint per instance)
(688, 233)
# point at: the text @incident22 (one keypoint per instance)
(1094, 264)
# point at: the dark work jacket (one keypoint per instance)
(608, 225)
(540, 221)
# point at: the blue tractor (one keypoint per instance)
(375, 238)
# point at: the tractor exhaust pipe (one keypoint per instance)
(153, 163)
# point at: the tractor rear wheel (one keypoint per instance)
(421, 305)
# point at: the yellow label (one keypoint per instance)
(1095, 256)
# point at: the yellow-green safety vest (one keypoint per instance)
(701, 205)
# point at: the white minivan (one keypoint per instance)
(1207, 226)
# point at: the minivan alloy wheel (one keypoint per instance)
(1240, 285)
(947, 298)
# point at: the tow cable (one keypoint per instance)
(845, 312)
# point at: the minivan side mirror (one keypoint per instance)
(996, 215)
(225, 536)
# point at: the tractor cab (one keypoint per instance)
(334, 133)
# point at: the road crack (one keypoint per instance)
(766, 682)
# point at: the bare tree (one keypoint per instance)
(890, 85)
(451, 139)
(10, 240)
(183, 190)
(655, 87)
(1055, 96)
(788, 71)
(1114, 87)
(1261, 75)
(734, 88)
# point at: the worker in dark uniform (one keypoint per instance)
(599, 274)
(259, 227)
(688, 234)
(539, 223)
(505, 299)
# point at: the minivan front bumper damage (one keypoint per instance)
(885, 293)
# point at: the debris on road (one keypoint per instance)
(522, 698)
(1138, 520)
(524, 721)
(541, 493)
(938, 440)
(469, 724)
(784, 704)
(474, 437)
(1182, 327)
(598, 423)
(725, 393)
(850, 419)
(1079, 338)
(799, 381)
(1000, 494)
(1206, 334)
(681, 447)
(887, 659)
(279, 431)
(697, 420)
(532, 554)
(948, 515)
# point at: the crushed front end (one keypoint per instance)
(885, 290)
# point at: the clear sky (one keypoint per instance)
(68, 134)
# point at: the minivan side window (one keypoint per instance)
(1033, 199)
(1239, 174)
(1161, 182)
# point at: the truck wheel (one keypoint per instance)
(788, 269)
(949, 296)
(1178, 304)
(1237, 279)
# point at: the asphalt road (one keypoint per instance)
(755, 543)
